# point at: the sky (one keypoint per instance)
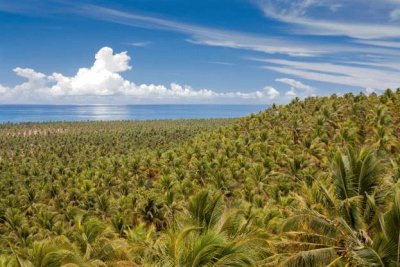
(195, 51)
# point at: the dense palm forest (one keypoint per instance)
(312, 183)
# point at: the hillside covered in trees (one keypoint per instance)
(311, 183)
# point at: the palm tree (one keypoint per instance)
(340, 216)
(53, 253)
(209, 237)
(385, 248)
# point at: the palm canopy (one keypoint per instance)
(310, 183)
(347, 217)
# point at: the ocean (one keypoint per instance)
(45, 113)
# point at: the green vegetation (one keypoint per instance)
(312, 183)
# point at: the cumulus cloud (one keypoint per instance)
(3, 89)
(103, 79)
(297, 88)
(271, 92)
(291, 93)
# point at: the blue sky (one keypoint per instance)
(175, 51)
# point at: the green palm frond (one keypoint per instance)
(311, 258)
(54, 253)
(314, 222)
(387, 244)
(206, 209)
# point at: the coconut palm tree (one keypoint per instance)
(341, 217)
(52, 253)
(209, 237)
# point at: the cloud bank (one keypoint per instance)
(103, 80)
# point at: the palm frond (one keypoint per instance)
(311, 258)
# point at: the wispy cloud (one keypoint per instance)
(336, 73)
(199, 35)
(265, 43)
(367, 59)
(203, 35)
(220, 63)
(140, 44)
(390, 44)
(300, 14)
(295, 84)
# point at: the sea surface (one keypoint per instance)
(42, 113)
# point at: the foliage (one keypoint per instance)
(311, 183)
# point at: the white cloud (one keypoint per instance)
(105, 59)
(390, 44)
(291, 93)
(35, 84)
(220, 63)
(295, 84)
(378, 79)
(297, 88)
(140, 44)
(381, 64)
(3, 89)
(336, 18)
(271, 92)
(103, 79)
(30, 74)
(200, 35)
(224, 38)
(300, 13)
(290, 11)
(266, 45)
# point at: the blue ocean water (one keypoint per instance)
(41, 113)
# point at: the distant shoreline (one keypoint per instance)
(16, 114)
(37, 123)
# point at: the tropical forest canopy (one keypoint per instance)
(312, 183)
